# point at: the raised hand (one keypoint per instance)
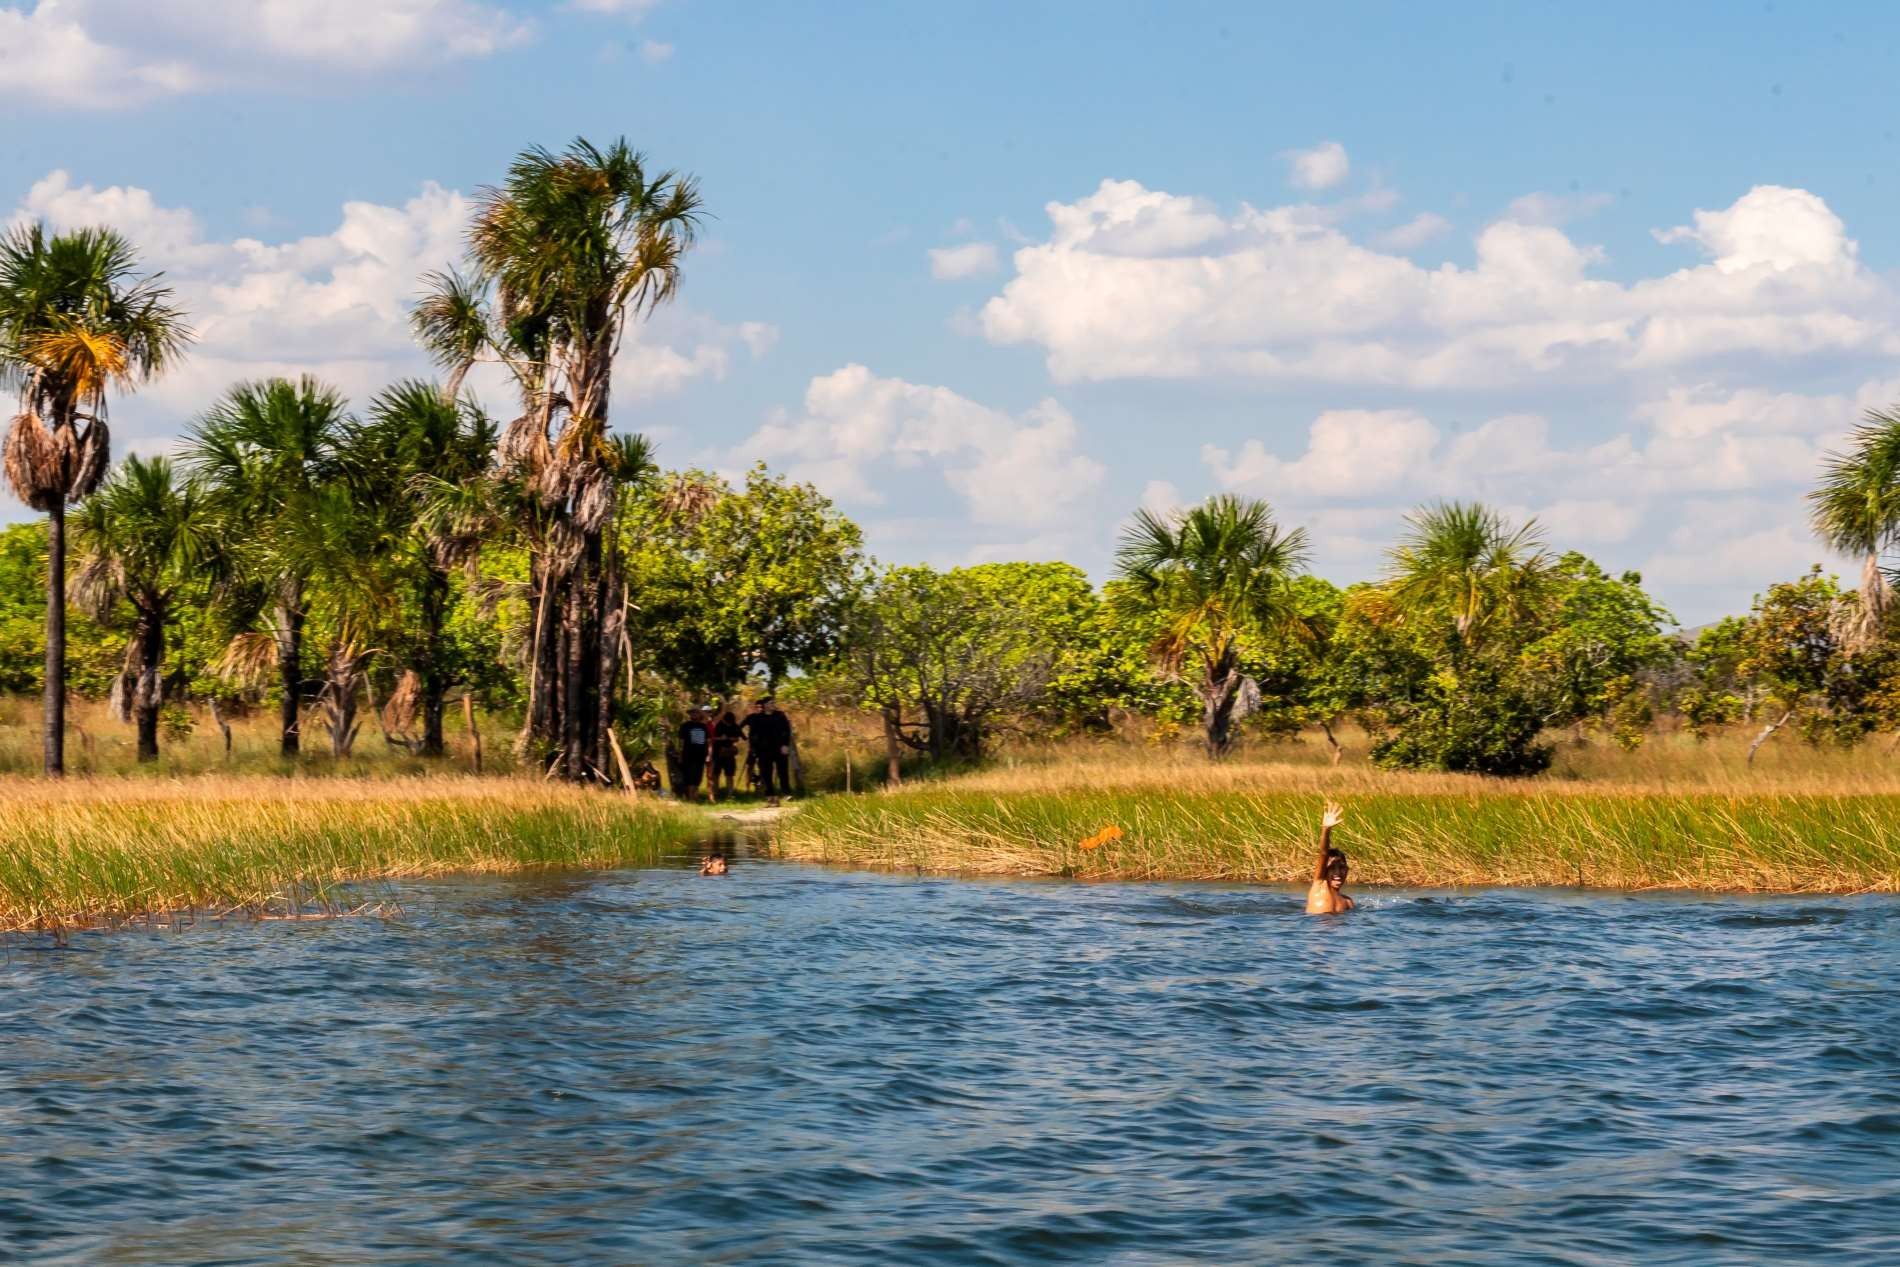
(1333, 817)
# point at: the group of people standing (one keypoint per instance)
(709, 751)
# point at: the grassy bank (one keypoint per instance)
(90, 852)
(1667, 823)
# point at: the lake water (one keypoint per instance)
(793, 1065)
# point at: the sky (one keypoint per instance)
(992, 275)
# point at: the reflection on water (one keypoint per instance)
(787, 1065)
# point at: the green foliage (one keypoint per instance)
(1473, 722)
(759, 580)
(944, 656)
(1598, 635)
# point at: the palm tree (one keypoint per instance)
(142, 537)
(1212, 577)
(268, 450)
(1856, 510)
(563, 254)
(416, 453)
(75, 320)
(1463, 560)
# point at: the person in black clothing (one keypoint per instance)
(769, 739)
(695, 740)
(726, 734)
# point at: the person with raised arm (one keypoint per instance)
(1325, 896)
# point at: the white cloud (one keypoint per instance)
(336, 304)
(857, 430)
(954, 263)
(653, 52)
(1554, 209)
(1161, 497)
(45, 55)
(1135, 283)
(1322, 167)
(630, 8)
(1414, 233)
(110, 53)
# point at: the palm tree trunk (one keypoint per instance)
(146, 695)
(289, 663)
(55, 683)
(573, 671)
(1220, 683)
(434, 604)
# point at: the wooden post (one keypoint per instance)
(620, 759)
(474, 735)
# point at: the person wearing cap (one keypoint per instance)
(695, 738)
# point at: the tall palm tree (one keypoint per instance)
(1464, 561)
(566, 251)
(1212, 577)
(268, 450)
(417, 444)
(76, 319)
(1856, 510)
(142, 537)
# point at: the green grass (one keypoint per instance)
(1487, 835)
(79, 853)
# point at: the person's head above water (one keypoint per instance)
(1335, 867)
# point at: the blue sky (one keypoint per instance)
(1626, 269)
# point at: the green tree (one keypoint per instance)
(564, 253)
(1214, 575)
(271, 452)
(1462, 562)
(76, 320)
(1795, 648)
(724, 583)
(143, 538)
(1856, 509)
(1600, 634)
(417, 444)
(944, 656)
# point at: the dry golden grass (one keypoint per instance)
(91, 851)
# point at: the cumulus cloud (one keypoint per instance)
(112, 53)
(1424, 227)
(1135, 283)
(856, 428)
(1322, 167)
(972, 259)
(337, 304)
(653, 52)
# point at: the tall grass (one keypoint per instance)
(1682, 815)
(86, 852)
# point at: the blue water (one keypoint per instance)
(791, 1065)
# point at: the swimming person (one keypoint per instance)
(1324, 896)
(715, 864)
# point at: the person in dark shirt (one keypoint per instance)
(695, 741)
(769, 740)
(726, 734)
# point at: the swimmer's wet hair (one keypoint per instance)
(1336, 865)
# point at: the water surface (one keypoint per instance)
(792, 1065)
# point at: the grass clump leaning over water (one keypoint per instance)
(87, 852)
(1685, 821)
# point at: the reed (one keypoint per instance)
(99, 852)
(1675, 820)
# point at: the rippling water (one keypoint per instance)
(791, 1065)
